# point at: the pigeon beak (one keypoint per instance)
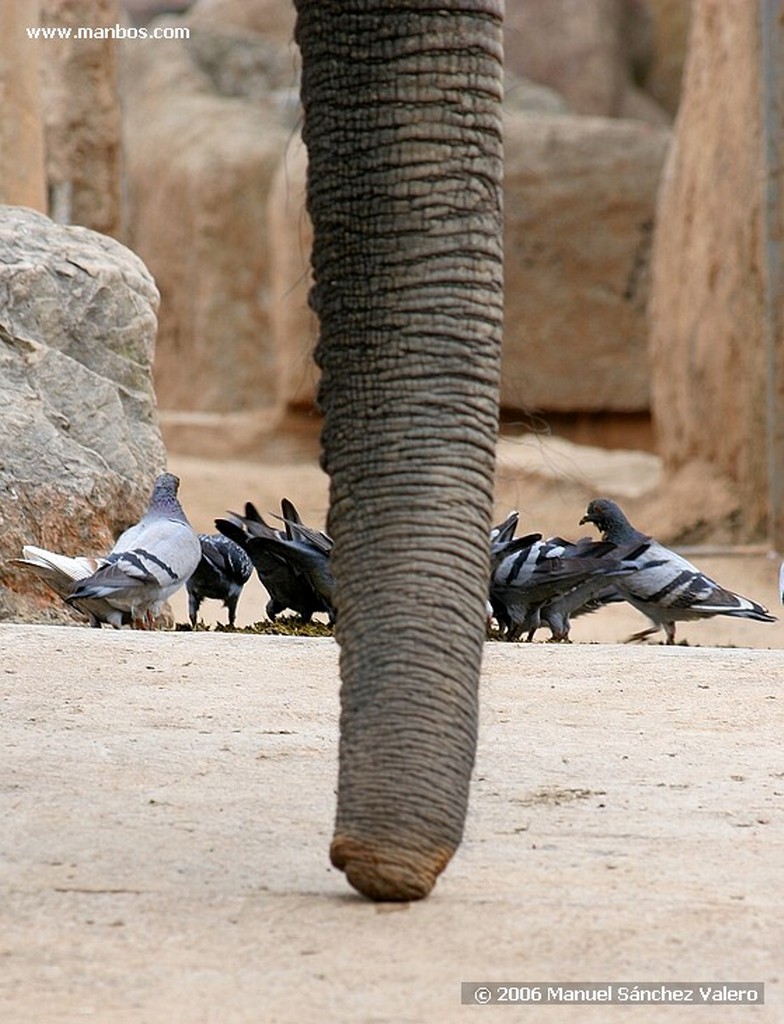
(585, 519)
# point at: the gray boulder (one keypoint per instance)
(81, 445)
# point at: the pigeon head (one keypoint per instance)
(166, 484)
(609, 520)
(164, 496)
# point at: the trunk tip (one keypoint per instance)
(385, 873)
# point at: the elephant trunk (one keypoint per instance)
(402, 124)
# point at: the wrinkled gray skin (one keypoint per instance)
(403, 128)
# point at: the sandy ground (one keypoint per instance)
(167, 803)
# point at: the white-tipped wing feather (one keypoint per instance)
(61, 573)
(58, 570)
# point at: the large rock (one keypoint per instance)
(217, 187)
(706, 311)
(200, 165)
(579, 204)
(81, 446)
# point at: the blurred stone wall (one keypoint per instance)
(206, 184)
(60, 128)
(82, 116)
(216, 188)
(22, 161)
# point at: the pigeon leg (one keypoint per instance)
(559, 627)
(642, 635)
(559, 638)
(193, 608)
(147, 620)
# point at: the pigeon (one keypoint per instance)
(150, 560)
(608, 594)
(665, 586)
(296, 529)
(501, 537)
(293, 564)
(310, 550)
(221, 574)
(529, 574)
(61, 573)
(590, 595)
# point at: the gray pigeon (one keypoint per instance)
(665, 586)
(61, 573)
(293, 564)
(530, 575)
(308, 557)
(149, 562)
(592, 593)
(221, 574)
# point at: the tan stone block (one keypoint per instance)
(294, 325)
(22, 173)
(82, 116)
(579, 204)
(707, 299)
(200, 166)
(590, 51)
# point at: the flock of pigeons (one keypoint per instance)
(534, 581)
(162, 553)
